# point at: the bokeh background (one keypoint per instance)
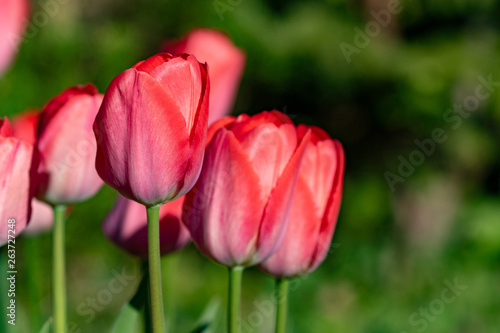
(395, 246)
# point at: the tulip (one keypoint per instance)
(226, 63)
(67, 147)
(237, 213)
(151, 129)
(24, 127)
(313, 216)
(13, 20)
(15, 183)
(151, 132)
(315, 207)
(126, 226)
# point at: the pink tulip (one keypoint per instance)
(15, 182)
(67, 147)
(13, 20)
(25, 127)
(237, 212)
(126, 226)
(226, 63)
(151, 129)
(315, 207)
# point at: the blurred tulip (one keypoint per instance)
(42, 217)
(315, 207)
(238, 210)
(126, 226)
(13, 20)
(15, 182)
(151, 129)
(225, 61)
(67, 147)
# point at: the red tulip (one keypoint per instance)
(67, 147)
(315, 207)
(226, 63)
(15, 184)
(237, 212)
(13, 20)
(24, 127)
(126, 226)
(151, 129)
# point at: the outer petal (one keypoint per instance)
(182, 79)
(198, 135)
(143, 149)
(276, 213)
(293, 255)
(332, 211)
(15, 192)
(269, 148)
(224, 210)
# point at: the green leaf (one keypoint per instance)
(208, 319)
(127, 320)
(131, 314)
(47, 327)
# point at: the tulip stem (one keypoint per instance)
(155, 294)
(282, 287)
(59, 270)
(234, 299)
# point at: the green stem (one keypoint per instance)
(282, 286)
(155, 294)
(234, 299)
(58, 270)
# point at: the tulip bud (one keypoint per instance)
(24, 127)
(315, 207)
(226, 63)
(15, 183)
(67, 147)
(237, 212)
(126, 226)
(13, 20)
(151, 129)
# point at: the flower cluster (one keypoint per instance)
(247, 190)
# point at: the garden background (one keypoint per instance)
(398, 245)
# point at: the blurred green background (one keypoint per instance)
(395, 246)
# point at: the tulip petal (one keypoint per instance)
(275, 219)
(227, 222)
(301, 236)
(329, 220)
(15, 193)
(269, 148)
(135, 154)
